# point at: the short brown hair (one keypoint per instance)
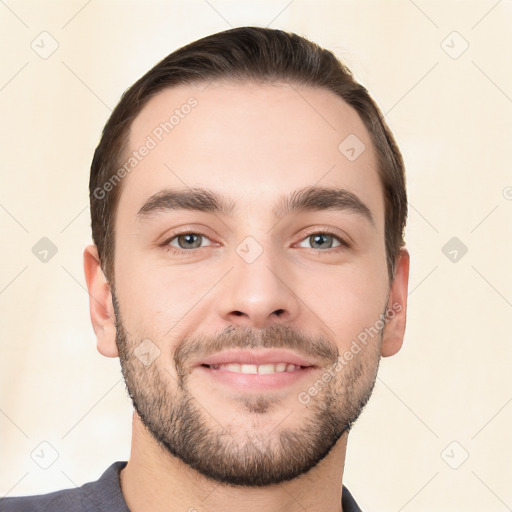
(244, 55)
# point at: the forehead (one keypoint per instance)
(252, 143)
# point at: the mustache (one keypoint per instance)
(276, 336)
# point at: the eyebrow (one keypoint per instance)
(313, 198)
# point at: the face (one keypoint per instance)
(250, 277)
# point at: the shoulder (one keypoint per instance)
(67, 499)
(348, 503)
(102, 495)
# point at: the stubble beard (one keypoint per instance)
(186, 429)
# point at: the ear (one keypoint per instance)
(394, 330)
(100, 303)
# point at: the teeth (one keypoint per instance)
(248, 368)
(254, 369)
(280, 367)
(266, 368)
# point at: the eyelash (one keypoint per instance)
(178, 251)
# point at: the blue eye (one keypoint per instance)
(186, 242)
(323, 241)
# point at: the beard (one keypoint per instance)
(184, 428)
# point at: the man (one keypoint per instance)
(248, 205)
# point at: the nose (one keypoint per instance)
(259, 294)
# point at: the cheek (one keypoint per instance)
(348, 301)
(156, 297)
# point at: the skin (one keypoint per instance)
(252, 143)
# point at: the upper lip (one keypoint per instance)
(257, 357)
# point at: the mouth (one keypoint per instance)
(256, 370)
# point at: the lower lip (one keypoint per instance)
(256, 381)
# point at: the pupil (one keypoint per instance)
(189, 239)
(318, 239)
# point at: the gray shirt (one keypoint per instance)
(104, 495)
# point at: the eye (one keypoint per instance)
(323, 241)
(186, 242)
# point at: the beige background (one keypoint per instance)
(446, 395)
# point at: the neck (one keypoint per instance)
(154, 480)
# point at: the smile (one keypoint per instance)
(256, 369)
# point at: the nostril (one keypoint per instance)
(278, 312)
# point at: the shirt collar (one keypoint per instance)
(110, 497)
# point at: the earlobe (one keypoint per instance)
(100, 303)
(396, 313)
